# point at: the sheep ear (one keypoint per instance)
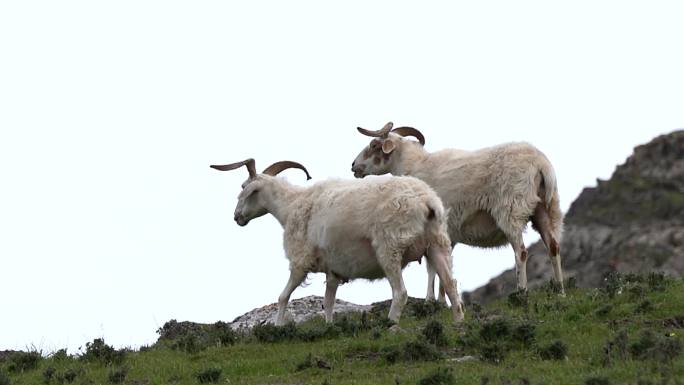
(388, 146)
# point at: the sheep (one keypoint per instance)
(350, 229)
(491, 193)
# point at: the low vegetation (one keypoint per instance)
(627, 332)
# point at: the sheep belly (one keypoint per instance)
(350, 257)
(479, 229)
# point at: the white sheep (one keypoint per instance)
(350, 229)
(491, 194)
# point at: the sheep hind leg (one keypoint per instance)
(541, 222)
(442, 292)
(520, 251)
(391, 266)
(331, 284)
(296, 279)
(431, 281)
(440, 257)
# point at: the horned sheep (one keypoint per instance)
(491, 194)
(350, 229)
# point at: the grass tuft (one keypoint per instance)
(434, 333)
(209, 375)
(441, 376)
(557, 350)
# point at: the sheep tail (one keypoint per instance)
(436, 224)
(549, 182)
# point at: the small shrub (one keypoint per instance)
(349, 326)
(411, 351)
(494, 352)
(313, 362)
(223, 334)
(441, 376)
(644, 306)
(657, 281)
(524, 334)
(656, 347)
(571, 283)
(551, 287)
(519, 299)
(667, 349)
(496, 330)
(420, 351)
(637, 292)
(391, 354)
(434, 333)
(117, 376)
(271, 333)
(632, 278)
(210, 375)
(476, 310)
(643, 347)
(99, 351)
(60, 355)
(68, 376)
(188, 343)
(318, 332)
(376, 333)
(613, 284)
(424, 309)
(616, 348)
(604, 310)
(597, 381)
(48, 374)
(23, 361)
(555, 351)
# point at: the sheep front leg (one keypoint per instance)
(331, 284)
(440, 258)
(296, 279)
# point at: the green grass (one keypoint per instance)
(592, 336)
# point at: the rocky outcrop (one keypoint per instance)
(633, 222)
(298, 310)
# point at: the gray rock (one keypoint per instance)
(298, 310)
(464, 359)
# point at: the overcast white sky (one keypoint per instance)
(111, 221)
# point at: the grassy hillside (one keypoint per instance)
(629, 332)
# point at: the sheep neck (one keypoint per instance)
(409, 159)
(281, 197)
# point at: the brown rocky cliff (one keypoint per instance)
(633, 222)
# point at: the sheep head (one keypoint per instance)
(253, 200)
(378, 156)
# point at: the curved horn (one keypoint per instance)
(278, 167)
(251, 168)
(379, 133)
(410, 131)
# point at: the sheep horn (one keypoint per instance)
(251, 168)
(277, 167)
(379, 133)
(410, 131)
